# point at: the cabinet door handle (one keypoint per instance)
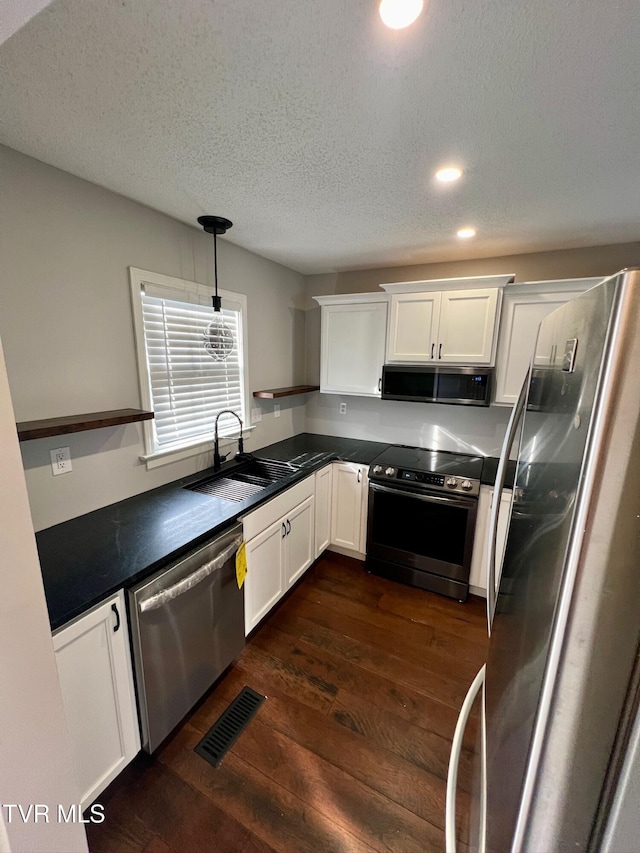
(359, 475)
(115, 610)
(288, 527)
(284, 529)
(440, 351)
(380, 384)
(433, 346)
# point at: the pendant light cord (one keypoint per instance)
(215, 225)
(217, 302)
(215, 262)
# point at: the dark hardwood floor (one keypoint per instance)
(364, 679)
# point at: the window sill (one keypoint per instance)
(165, 457)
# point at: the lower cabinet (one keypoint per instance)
(299, 550)
(94, 667)
(323, 509)
(349, 496)
(280, 545)
(478, 573)
(284, 536)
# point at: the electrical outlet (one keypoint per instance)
(343, 408)
(276, 410)
(256, 415)
(60, 461)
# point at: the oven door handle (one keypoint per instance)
(430, 498)
(501, 474)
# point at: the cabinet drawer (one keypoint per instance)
(258, 520)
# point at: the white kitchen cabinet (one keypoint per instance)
(453, 326)
(280, 542)
(323, 509)
(478, 573)
(299, 542)
(264, 583)
(349, 508)
(468, 326)
(524, 308)
(352, 343)
(413, 327)
(94, 666)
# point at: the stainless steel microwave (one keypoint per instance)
(427, 383)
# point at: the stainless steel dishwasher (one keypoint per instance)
(187, 626)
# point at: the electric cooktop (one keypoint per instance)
(430, 469)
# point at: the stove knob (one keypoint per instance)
(419, 477)
(452, 482)
(466, 485)
(377, 469)
(390, 472)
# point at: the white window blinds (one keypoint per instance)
(188, 387)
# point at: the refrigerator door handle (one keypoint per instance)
(454, 761)
(501, 474)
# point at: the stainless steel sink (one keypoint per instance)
(263, 471)
(247, 480)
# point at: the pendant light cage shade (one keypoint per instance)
(217, 339)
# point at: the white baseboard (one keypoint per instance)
(347, 552)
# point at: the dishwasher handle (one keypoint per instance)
(164, 595)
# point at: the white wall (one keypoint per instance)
(465, 429)
(14, 14)
(65, 319)
(35, 757)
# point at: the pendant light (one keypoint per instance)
(218, 339)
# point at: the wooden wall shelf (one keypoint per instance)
(28, 430)
(274, 393)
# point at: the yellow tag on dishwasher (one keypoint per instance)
(241, 564)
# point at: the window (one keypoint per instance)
(183, 385)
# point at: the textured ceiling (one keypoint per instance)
(317, 130)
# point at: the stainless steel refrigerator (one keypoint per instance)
(557, 759)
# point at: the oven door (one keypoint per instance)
(421, 538)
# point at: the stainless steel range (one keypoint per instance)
(422, 517)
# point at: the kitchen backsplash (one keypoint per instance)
(465, 429)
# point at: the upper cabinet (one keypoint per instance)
(468, 326)
(353, 335)
(525, 306)
(413, 326)
(448, 321)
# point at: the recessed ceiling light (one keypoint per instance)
(398, 14)
(448, 174)
(465, 233)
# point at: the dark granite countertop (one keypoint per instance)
(490, 469)
(88, 558)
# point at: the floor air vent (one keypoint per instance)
(229, 726)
